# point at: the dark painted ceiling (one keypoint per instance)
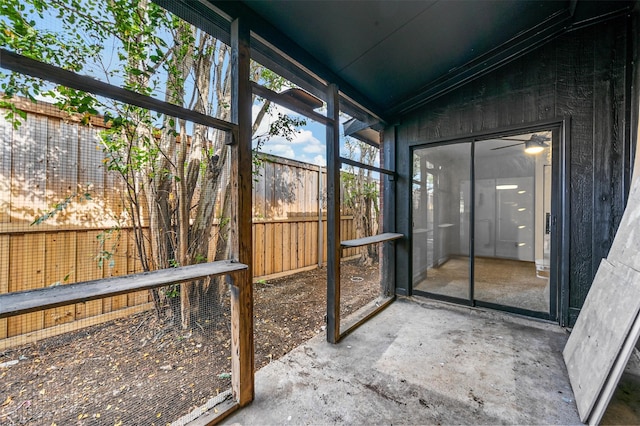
(397, 54)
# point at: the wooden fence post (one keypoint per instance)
(320, 225)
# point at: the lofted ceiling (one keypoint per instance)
(395, 55)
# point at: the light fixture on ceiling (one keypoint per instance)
(536, 144)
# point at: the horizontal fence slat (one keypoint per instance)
(68, 327)
(34, 300)
(21, 228)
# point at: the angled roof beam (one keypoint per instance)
(361, 131)
(273, 37)
(355, 125)
(216, 20)
(289, 102)
(364, 139)
(518, 46)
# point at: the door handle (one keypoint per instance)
(547, 225)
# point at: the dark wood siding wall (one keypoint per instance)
(584, 75)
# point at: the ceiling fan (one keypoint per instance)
(534, 145)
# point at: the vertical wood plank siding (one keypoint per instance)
(580, 75)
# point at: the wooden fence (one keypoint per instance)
(52, 157)
(290, 223)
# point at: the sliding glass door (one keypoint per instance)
(481, 222)
(441, 220)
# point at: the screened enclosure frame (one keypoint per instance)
(275, 52)
(238, 34)
(242, 359)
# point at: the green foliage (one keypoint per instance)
(258, 163)
(11, 111)
(284, 126)
(21, 23)
(139, 46)
(61, 206)
(172, 291)
(224, 221)
(88, 28)
(64, 280)
(106, 254)
(272, 81)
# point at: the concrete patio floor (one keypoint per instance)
(425, 362)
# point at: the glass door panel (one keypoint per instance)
(511, 186)
(441, 219)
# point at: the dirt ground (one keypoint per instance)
(138, 370)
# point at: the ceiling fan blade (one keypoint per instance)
(507, 146)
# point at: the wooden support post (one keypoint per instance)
(388, 255)
(241, 178)
(400, 210)
(333, 216)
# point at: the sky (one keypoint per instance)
(308, 144)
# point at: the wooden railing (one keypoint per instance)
(380, 238)
(23, 302)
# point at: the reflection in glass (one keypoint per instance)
(510, 193)
(441, 212)
(512, 187)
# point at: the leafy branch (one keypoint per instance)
(59, 207)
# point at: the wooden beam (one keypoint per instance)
(365, 313)
(388, 208)
(333, 216)
(361, 138)
(366, 166)
(354, 126)
(289, 102)
(273, 38)
(521, 44)
(242, 353)
(22, 302)
(380, 238)
(21, 64)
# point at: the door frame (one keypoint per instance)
(560, 214)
